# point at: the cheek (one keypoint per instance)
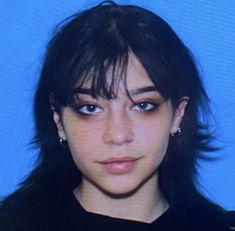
(154, 128)
(83, 140)
(153, 136)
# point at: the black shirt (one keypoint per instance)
(72, 217)
(77, 218)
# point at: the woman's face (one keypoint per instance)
(118, 145)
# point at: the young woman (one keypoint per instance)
(117, 125)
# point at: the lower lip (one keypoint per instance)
(120, 167)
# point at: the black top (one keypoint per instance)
(71, 216)
(76, 218)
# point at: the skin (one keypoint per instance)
(120, 128)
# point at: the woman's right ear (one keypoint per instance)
(59, 124)
(57, 118)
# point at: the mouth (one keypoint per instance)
(119, 165)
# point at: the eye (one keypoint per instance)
(145, 106)
(89, 109)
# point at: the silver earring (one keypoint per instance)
(62, 142)
(177, 133)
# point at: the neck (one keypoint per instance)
(145, 205)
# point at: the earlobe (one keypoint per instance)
(179, 114)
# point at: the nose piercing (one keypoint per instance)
(131, 138)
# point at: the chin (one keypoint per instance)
(120, 190)
(119, 193)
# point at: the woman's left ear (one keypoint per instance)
(179, 112)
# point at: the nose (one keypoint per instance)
(118, 130)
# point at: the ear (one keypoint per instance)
(57, 118)
(59, 124)
(179, 114)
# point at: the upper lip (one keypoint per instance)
(118, 159)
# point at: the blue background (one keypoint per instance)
(207, 28)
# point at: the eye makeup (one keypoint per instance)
(145, 106)
(88, 109)
(145, 100)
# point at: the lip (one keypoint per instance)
(119, 165)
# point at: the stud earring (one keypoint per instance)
(177, 133)
(62, 142)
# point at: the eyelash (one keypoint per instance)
(142, 106)
(80, 109)
(139, 107)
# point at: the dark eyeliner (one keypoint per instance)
(154, 105)
(78, 107)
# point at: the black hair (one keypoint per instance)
(83, 48)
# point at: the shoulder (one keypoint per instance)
(198, 213)
(27, 218)
(46, 216)
(211, 217)
(27, 222)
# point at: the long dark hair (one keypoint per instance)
(85, 46)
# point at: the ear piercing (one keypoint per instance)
(177, 133)
(62, 142)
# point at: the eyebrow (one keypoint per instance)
(143, 90)
(133, 92)
(81, 90)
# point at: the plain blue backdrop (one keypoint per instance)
(207, 28)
